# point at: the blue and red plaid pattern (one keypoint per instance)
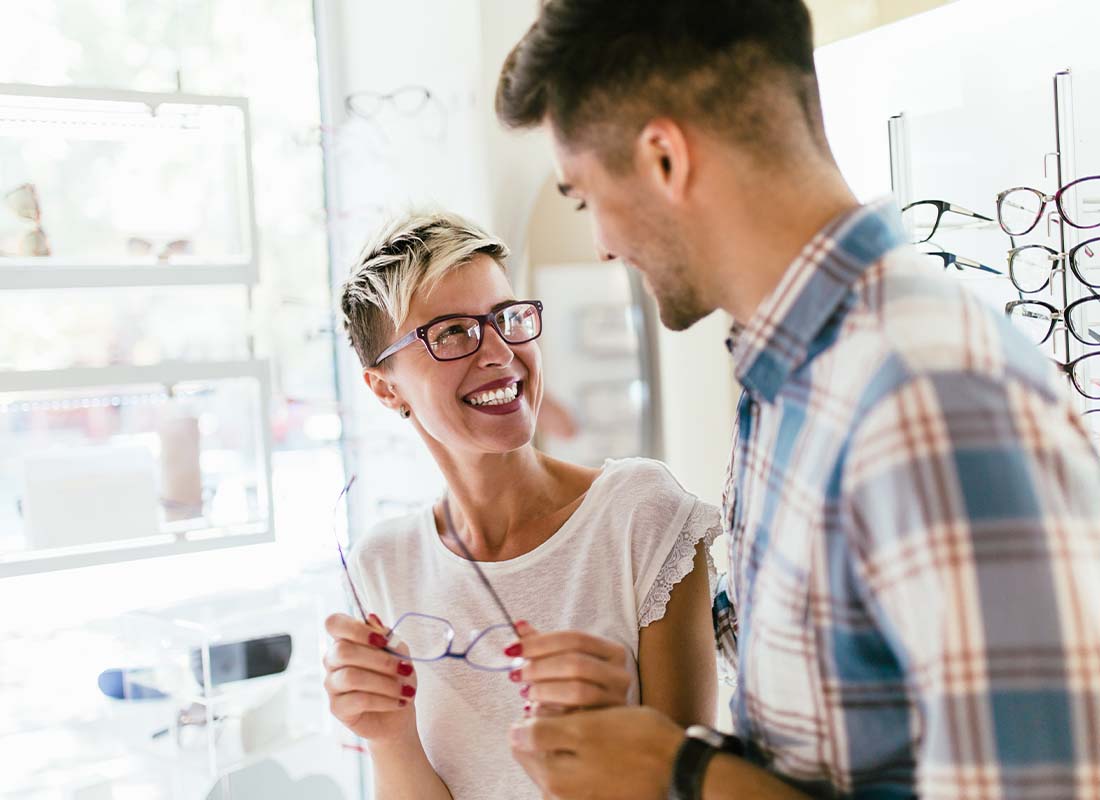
(914, 510)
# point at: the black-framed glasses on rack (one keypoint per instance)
(926, 215)
(1030, 268)
(944, 259)
(1021, 208)
(1038, 320)
(407, 100)
(1079, 374)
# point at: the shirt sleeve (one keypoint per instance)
(975, 516)
(703, 524)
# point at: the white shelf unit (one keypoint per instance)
(162, 543)
(72, 107)
(202, 143)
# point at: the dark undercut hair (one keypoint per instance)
(599, 70)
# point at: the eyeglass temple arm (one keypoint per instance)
(340, 550)
(967, 212)
(404, 341)
(453, 533)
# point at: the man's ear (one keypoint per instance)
(663, 156)
(383, 388)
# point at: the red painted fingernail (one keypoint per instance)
(523, 624)
(515, 676)
(405, 669)
(408, 691)
(402, 703)
(525, 690)
(514, 651)
(526, 708)
(377, 640)
(375, 620)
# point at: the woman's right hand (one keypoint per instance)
(370, 691)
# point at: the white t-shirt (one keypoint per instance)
(608, 571)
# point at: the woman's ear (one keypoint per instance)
(383, 388)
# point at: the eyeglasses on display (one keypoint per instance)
(1081, 373)
(1038, 320)
(407, 100)
(942, 258)
(1030, 268)
(924, 217)
(1021, 208)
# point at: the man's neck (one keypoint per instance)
(753, 252)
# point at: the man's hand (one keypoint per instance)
(624, 752)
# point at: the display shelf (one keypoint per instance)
(106, 188)
(184, 446)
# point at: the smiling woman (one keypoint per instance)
(612, 561)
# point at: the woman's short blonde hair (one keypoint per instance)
(411, 253)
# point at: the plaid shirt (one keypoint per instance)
(914, 511)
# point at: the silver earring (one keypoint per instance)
(405, 412)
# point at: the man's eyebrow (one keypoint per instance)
(565, 189)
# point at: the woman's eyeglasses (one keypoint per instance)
(1038, 320)
(431, 638)
(456, 336)
(1030, 268)
(925, 216)
(1020, 209)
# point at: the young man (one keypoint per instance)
(913, 504)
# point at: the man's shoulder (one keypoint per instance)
(908, 323)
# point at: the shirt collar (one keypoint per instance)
(778, 338)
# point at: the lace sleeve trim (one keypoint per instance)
(703, 524)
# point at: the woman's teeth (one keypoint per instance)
(497, 397)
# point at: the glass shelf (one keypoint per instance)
(146, 460)
(112, 188)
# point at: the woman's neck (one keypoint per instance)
(507, 504)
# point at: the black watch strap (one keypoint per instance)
(690, 768)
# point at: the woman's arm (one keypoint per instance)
(676, 657)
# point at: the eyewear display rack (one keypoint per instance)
(77, 112)
(1064, 288)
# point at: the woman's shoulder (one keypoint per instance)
(644, 477)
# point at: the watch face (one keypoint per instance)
(707, 735)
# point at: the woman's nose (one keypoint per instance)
(494, 352)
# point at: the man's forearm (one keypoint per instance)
(731, 777)
(402, 771)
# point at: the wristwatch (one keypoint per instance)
(698, 748)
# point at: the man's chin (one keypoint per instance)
(677, 318)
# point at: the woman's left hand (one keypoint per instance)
(566, 670)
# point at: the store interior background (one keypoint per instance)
(972, 78)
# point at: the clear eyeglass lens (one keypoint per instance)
(426, 637)
(454, 338)
(1084, 321)
(1087, 262)
(1019, 210)
(409, 101)
(488, 651)
(1086, 377)
(1030, 268)
(519, 323)
(1033, 320)
(920, 219)
(365, 105)
(1080, 203)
